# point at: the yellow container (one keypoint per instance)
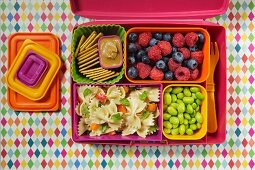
(38, 91)
(198, 134)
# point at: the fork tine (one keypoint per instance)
(216, 48)
(212, 49)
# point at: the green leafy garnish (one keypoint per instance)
(85, 111)
(117, 117)
(86, 92)
(143, 96)
(125, 102)
(153, 128)
(103, 127)
(145, 115)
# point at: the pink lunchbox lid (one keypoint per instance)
(148, 9)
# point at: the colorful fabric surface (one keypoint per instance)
(43, 140)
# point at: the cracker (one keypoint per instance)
(116, 74)
(87, 63)
(84, 56)
(89, 66)
(88, 49)
(82, 40)
(89, 39)
(95, 40)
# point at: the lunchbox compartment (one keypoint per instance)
(217, 34)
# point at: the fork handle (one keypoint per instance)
(212, 117)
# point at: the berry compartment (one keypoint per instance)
(202, 68)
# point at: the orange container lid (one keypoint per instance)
(51, 98)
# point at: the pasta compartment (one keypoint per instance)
(136, 123)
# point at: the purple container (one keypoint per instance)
(31, 69)
(157, 136)
(100, 57)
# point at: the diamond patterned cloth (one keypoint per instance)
(43, 140)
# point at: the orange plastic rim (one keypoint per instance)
(203, 130)
(205, 67)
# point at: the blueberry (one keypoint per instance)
(167, 37)
(140, 54)
(194, 48)
(192, 64)
(132, 47)
(158, 36)
(145, 59)
(177, 57)
(161, 65)
(132, 72)
(174, 49)
(132, 37)
(184, 63)
(201, 38)
(131, 59)
(169, 75)
(153, 42)
(165, 59)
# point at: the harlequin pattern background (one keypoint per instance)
(43, 140)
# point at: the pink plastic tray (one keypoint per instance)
(217, 34)
(118, 138)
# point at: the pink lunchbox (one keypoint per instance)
(165, 13)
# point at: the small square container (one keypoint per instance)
(31, 69)
(38, 91)
(119, 59)
(157, 136)
(198, 134)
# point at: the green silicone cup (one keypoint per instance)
(87, 30)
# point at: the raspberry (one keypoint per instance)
(144, 39)
(156, 74)
(154, 53)
(185, 52)
(143, 70)
(178, 40)
(191, 39)
(198, 55)
(172, 65)
(165, 47)
(182, 73)
(194, 74)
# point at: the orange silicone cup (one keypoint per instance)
(51, 101)
(204, 68)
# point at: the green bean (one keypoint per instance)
(168, 90)
(180, 95)
(174, 120)
(199, 125)
(177, 90)
(185, 122)
(167, 124)
(198, 102)
(199, 117)
(182, 129)
(192, 120)
(188, 100)
(181, 108)
(174, 105)
(173, 97)
(181, 118)
(167, 98)
(187, 116)
(199, 95)
(175, 131)
(193, 127)
(187, 92)
(166, 116)
(189, 131)
(172, 111)
(194, 105)
(194, 89)
(189, 109)
(166, 130)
